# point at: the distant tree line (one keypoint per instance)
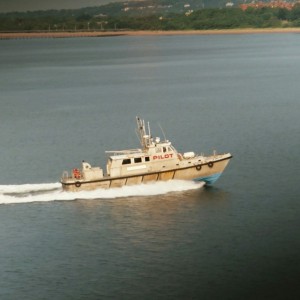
(209, 18)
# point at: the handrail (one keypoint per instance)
(125, 151)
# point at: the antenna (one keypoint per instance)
(149, 131)
(162, 132)
(137, 134)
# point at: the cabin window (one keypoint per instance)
(158, 150)
(169, 149)
(137, 159)
(165, 149)
(126, 161)
(147, 158)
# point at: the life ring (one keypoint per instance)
(198, 168)
(210, 164)
(77, 184)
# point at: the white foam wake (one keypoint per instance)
(26, 193)
(27, 188)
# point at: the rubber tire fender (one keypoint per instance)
(198, 167)
(77, 184)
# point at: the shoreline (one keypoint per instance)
(72, 34)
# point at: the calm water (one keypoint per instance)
(64, 100)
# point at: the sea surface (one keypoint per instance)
(65, 100)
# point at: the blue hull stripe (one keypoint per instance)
(209, 179)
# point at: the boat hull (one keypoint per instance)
(208, 173)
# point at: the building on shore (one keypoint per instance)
(271, 4)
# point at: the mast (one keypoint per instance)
(144, 137)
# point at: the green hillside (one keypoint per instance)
(152, 15)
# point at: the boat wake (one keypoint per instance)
(26, 193)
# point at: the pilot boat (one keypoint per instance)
(156, 160)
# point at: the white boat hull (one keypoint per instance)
(208, 172)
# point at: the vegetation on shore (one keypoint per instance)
(201, 19)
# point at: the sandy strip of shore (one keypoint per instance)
(65, 34)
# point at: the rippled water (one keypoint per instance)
(64, 100)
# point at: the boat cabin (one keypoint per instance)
(153, 158)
